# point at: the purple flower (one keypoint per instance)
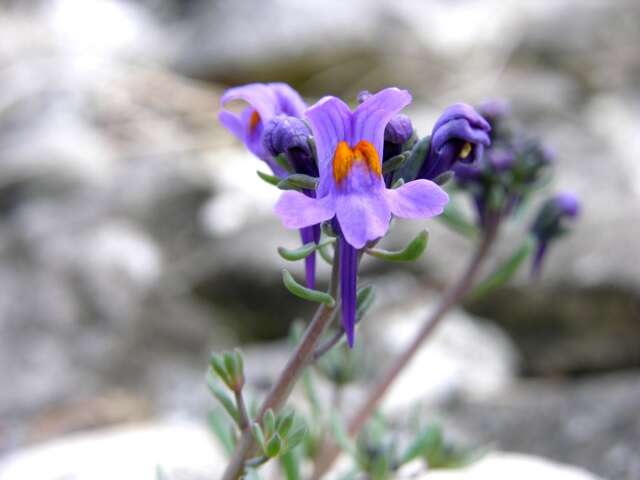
(494, 109)
(549, 224)
(459, 135)
(351, 188)
(266, 100)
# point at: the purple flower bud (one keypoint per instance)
(500, 159)
(459, 135)
(362, 96)
(548, 225)
(398, 130)
(290, 135)
(494, 109)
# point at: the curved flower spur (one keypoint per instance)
(271, 125)
(352, 189)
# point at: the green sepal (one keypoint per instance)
(394, 163)
(411, 252)
(306, 293)
(443, 178)
(222, 397)
(298, 181)
(417, 157)
(302, 252)
(270, 179)
(282, 161)
(505, 271)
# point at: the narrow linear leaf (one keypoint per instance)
(325, 254)
(296, 437)
(269, 422)
(456, 221)
(270, 179)
(306, 293)
(290, 463)
(504, 273)
(222, 397)
(424, 442)
(258, 435)
(274, 446)
(217, 364)
(365, 298)
(411, 252)
(302, 252)
(417, 157)
(219, 427)
(341, 437)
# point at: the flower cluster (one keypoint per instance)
(356, 158)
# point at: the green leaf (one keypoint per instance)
(296, 437)
(417, 157)
(298, 181)
(258, 435)
(270, 179)
(505, 271)
(284, 424)
(290, 463)
(325, 254)
(427, 440)
(274, 446)
(230, 365)
(269, 422)
(411, 252)
(342, 437)
(306, 293)
(394, 163)
(456, 221)
(443, 178)
(239, 362)
(218, 366)
(223, 398)
(302, 252)
(380, 468)
(219, 426)
(366, 296)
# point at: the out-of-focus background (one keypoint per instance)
(135, 236)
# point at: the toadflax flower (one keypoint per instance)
(266, 100)
(271, 125)
(351, 189)
(459, 135)
(549, 224)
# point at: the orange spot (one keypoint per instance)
(254, 119)
(345, 157)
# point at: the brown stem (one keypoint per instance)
(451, 297)
(288, 377)
(243, 420)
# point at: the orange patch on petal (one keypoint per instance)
(345, 157)
(254, 119)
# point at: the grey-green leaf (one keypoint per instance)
(223, 398)
(258, 435)
(505, 271)
(427, 440)
(411, 166)
(274, 446)
(455, 220)
(365, 298)
(302, 252)
(306, 293)
(394, 163)
(411, 252)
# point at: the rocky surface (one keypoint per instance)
(141, 451)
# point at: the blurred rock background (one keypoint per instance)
(135, 236)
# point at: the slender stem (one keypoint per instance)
(451, 297)
(243, 420)
(281, 389)
(327, 345)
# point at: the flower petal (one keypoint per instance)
(261, 98)
(372, 115)
(330, 120)
(289, 101)
(232, 123)
(296, 210)
(363, 213)
(417, 199)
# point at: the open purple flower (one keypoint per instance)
(270, 125)
(459, 135)
(351, 188)
(266, 100)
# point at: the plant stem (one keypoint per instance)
(281, 389)
(243, 420)
(450, 298)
